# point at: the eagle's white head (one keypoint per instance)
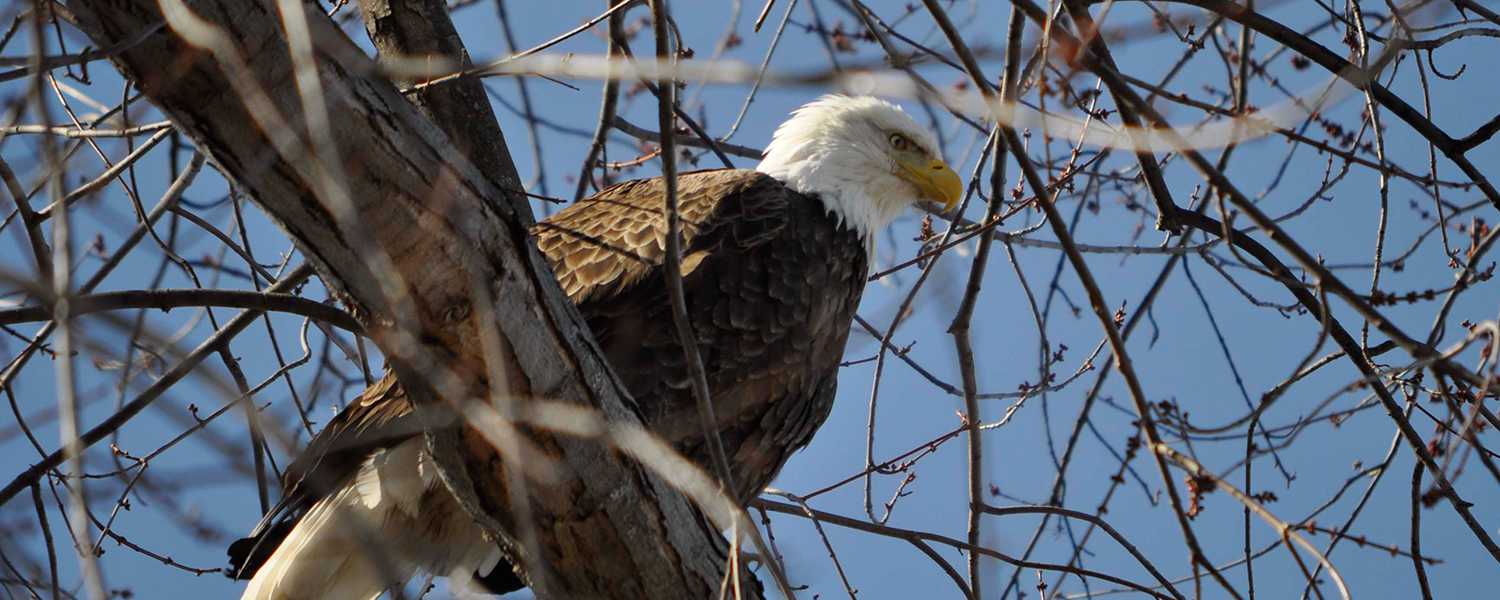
(864, 157)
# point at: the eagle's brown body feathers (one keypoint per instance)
(771, 280)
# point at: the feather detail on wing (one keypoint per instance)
(618, 237)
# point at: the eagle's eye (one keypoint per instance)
(900, 143)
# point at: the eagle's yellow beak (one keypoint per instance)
(937, 181)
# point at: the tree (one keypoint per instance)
(395, 182)
(350, 193)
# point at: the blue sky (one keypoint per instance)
(207, 498)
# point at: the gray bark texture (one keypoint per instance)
(414, 229)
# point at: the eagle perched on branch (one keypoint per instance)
(774, 263)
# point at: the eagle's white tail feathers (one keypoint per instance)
(394, 519)
(395, 478)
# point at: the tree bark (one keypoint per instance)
(414, 29)
(421, 241)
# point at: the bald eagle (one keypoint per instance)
(774, 263)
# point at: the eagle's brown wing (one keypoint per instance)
(772, 281)
(614, 240)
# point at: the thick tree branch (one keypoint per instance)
(416, 235)
(416, 29)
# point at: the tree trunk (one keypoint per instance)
(432, 253)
